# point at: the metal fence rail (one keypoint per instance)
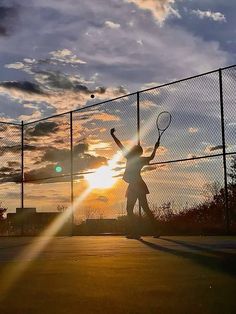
(57, 152)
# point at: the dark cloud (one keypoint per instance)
(59, 141)
(5, 169)
(213, 148)
(9, 174)
(53, 79)
(42, 129)
(56, 155)
(24, 86)
(32, 148)
(14, 149)
(8, 177)
(3, 128)
(83, 162)
(80, 148)
(13, 164)
(8, 14)
(3, 31)
(40, 173)
(63, 155)
(58, 80)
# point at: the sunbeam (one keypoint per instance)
(19, 265)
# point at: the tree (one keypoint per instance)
(232, 188)
(232, 173)
(211, 190)
(2, 212)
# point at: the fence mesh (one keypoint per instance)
(229, 96)
(10, 166)
(73, 157)
(47, 164)
(196, 123)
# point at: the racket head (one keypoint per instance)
(163, 120)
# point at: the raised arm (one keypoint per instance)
(151, 157)
(118, 142)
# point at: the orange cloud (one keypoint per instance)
(160, 9)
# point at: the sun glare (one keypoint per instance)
(102, 178)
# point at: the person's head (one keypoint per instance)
(135, 151)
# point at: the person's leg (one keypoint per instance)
(131, 200)
(149, 213)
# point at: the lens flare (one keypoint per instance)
(58, 169)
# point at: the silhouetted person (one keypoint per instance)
(137, 189)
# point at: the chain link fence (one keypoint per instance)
(71, 158)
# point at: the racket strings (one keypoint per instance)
(163, 121)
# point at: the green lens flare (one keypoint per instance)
(58, 169)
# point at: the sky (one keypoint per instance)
(55, 54)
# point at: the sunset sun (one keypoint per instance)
(102, 178)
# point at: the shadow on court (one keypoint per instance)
(220, 261)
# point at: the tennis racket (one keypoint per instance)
(163, 122)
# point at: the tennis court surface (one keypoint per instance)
(111, 274)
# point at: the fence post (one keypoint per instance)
(138, 141)
(227, 216)
(71, 173)
(22, 164)
(138, 119)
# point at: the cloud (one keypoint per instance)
(54, 154)
(40, 163)
(211, 148)
(16, 66)
(3, 31)
(8, 15)
(162, 150)
(57, 58)
(11, 177)
(102, 198)
(24, 86)
(148, 104)
(215, 16)
(13, 149)
(3, 127)
(112, 25)
(140, 42)
(83, 162)
(53, 87)
(103, 116)
(65, 56)
(60, 99)
(160, 10)
(36, 115)
(6, 169)
(43, 129)
(13, 164)
(149, 168)
(193, 130)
